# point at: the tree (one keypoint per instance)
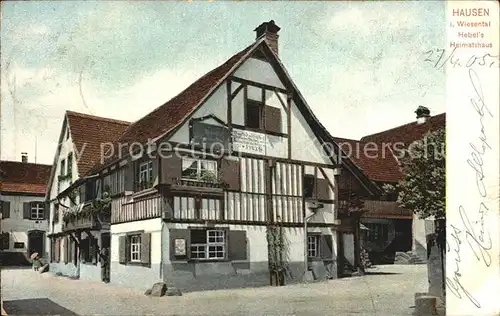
(423, 186)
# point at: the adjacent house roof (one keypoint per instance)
(373, 155)
(408, 133)
(377, 163)
(88, 133)
(26, 178)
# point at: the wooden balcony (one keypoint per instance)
(91, 222)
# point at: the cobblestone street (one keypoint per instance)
(386, 290)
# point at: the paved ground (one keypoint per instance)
(387, 290)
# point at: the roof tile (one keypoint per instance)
(19, 177)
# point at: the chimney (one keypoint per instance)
(423, 114)
(270, 31)
(24, 157)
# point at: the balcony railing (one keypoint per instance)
(96, 221)
(91, 222)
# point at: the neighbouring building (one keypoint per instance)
(24, 221)
(235, 153)
(389, 228)
(73, 247)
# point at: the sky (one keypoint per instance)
(359, 65)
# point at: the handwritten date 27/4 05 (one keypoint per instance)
(440, 57)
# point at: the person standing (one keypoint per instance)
(105, 265)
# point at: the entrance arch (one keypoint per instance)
(36, 240)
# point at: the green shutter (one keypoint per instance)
(178, 234)
(146, 248)
(5, 205)
(237, 244)
(122, 247)
(27, 210)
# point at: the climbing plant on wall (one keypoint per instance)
(278, 253)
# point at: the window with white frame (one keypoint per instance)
(199, 169)
(37, 210)
(313, 246)
(145, 175)
(135, 248)
(208, 244)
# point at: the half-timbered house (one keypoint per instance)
(76, 239)
(199, 186)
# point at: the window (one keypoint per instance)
(309, 181)
(145, 175)
(208, 244)
(199, 169)
(262, 117)
(70, 163)
(135, 248)
(19, 245)
(37, 210)
(254, 114)
(313, 246)
(62, 168)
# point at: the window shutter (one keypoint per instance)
(230, 173)
(122, 245)
(179, 234)
(326, 247)
(46, 210)
(5, 209)
(66, 250)
(26, 210)
(272, 119)
(146, 248)
(129, 177)
(323, 189)
(171, 168)
(237, 244)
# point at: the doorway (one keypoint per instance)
(35, 242)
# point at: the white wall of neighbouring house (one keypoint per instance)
(419, 241)
(16, 225)
(349, 248)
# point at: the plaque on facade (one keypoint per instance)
(180, 247)
(249, 142)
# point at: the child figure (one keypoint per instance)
(37, 263)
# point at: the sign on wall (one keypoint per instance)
(249, 142)
(180, 247)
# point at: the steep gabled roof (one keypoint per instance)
(19, 177)
(89, 133)
(408, 133)
(172, 114)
